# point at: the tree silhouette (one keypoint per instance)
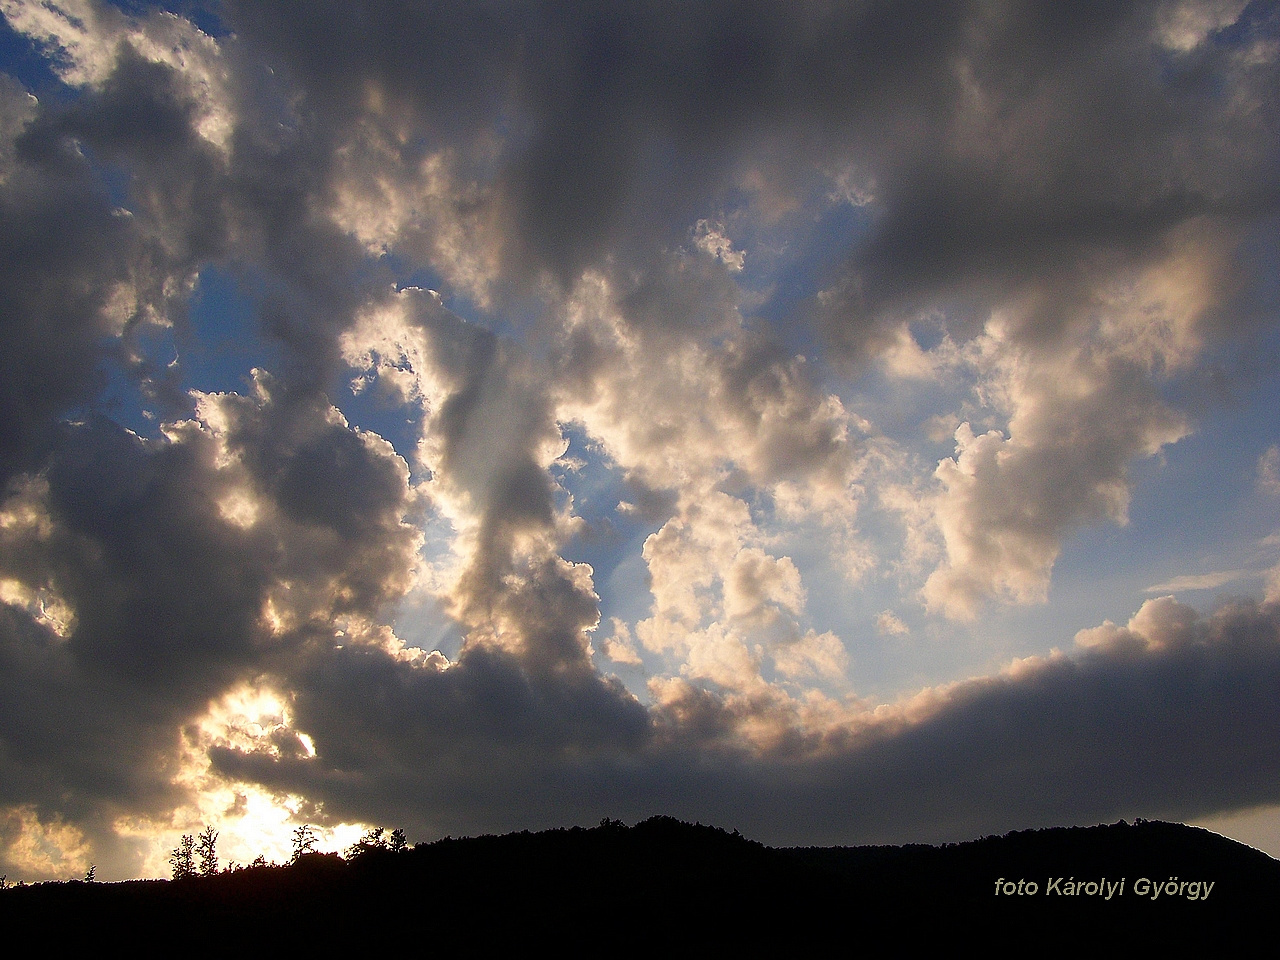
(399, 842)
(372, 840)
(206, 847)
(304, 841)
(183, 858)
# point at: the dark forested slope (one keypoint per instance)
(663, 882)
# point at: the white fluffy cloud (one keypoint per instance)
(1079, 410)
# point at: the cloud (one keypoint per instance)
(184, 565)
(70, 281)
(1078, 414)
(1201, 581)
(547, 304)
(711, 239)
(620, 648)
(1125, 725)
(1184, 26)
(889, 624)
(1155, 624)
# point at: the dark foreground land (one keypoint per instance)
(666, 887)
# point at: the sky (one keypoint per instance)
(836, 421)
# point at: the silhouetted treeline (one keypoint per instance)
(665, 886)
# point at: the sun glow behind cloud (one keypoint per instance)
(252, 822)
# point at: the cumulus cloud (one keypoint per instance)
(620, 647)
(611, 333)
(890, 624)
(1155, 624)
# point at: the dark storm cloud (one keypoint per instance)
(165, 601)
(1177, 724)
(156, 604)
(1181, 729)
(425, 746)
(63, 252)
(336, 498)
(162, 598)
(619, 118)
(1008, 140)
(1069, 136)
(130, 150)
(142, 120)
(208, 172)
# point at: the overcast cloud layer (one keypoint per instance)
(496, 416)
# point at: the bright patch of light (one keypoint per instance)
(238, 508)
(251, 821)
(43, 848)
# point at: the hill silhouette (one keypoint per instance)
(674, 885)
